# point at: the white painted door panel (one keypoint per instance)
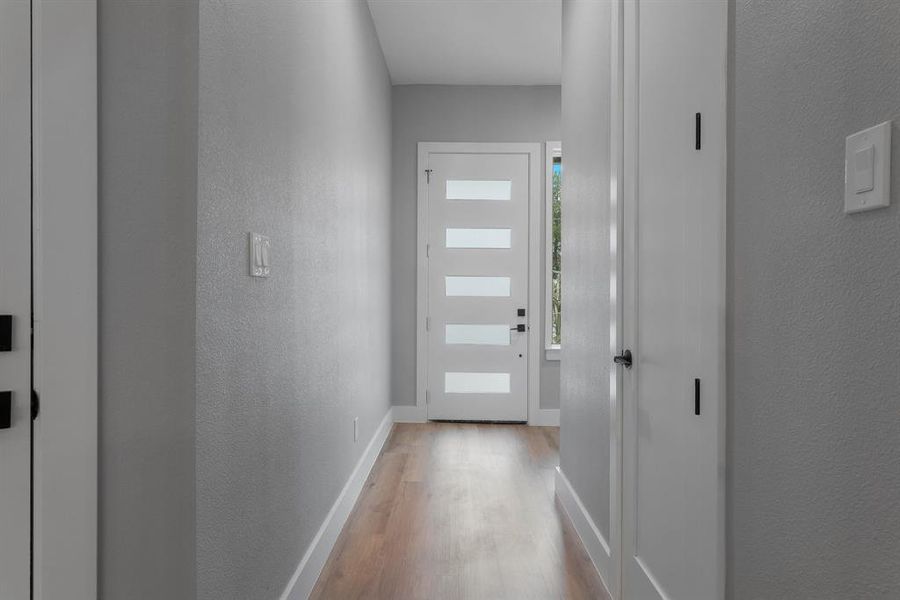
(15, 296)
(477, 236)
(674, 288)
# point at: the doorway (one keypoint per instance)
(48, 299)
(475, 300)
(673, 269)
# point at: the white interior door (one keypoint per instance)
(477, 290)
(15, 299)
(673, 438)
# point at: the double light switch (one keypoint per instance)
(259, 255)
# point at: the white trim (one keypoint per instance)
(535, 224)
(422, 279)
(304, 579)
(551, 149)
(591, 538)
(64, 102)
(15, 295)
(618, 172)
(535, 261)
(409, 414)
(628, 46)
(553, 353)
(545, 417)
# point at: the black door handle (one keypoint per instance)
(623, 359)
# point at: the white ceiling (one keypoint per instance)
(470, 42)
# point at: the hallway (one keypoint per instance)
(461, 511)
(449, 300)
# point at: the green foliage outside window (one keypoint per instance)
(556, 257)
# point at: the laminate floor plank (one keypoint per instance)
(461, 511)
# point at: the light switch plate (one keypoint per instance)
(259, 255)
(867, 169)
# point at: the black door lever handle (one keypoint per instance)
(623, 359)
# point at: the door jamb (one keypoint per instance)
(619, 172)
(536, 415)
(65, 278)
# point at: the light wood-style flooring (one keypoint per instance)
(461, 512)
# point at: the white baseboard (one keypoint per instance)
(593, 541)
(304, 580)
(409, 414)
(545, 417)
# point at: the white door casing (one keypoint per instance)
(674, 300)
(15, 296)
(65, 265)
(473, 364)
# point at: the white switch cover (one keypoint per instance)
(259, 255)
(867, 169)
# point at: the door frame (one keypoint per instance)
(536, 415)
(15, 298)
(65, 278)
(622, 179)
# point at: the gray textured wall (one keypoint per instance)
(814, 427)
(295, 143)
(584, 388)
(441, 113)
(148, 216)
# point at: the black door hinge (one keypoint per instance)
(696, 396)
(697, 128)
(5, 410)
(6, 328)
(35, 405)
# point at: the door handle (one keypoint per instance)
(623, 359)
(520, 328)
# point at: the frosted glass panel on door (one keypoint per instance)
(481, 335)
(467, 189)
(479, 238)
(476, 383)
(477, 286)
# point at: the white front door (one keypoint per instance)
(477, 290)
(15, 300)
(673, 439)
